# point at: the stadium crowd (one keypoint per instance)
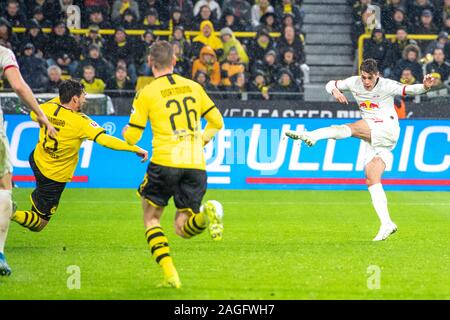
(221, 63)
(404, 59)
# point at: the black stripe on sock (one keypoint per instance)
(159, 246)
(37, 223)
(196, 225)
(155, 235)
(191, 233)
(25, 222)
(159, 258)
(152, 229)
(193, 228)
(32, 219)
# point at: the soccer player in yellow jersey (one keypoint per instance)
(54, 160)
(174, 106)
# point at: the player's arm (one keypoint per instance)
(24, 92)
(132, 133)
(212, 116)
(413, 89)
(116, 144)
(336, 87)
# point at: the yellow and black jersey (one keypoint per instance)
(57, 157)
(174, 105)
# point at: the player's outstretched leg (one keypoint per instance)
(189, 224)
(29, 219)
(374, 170)
(5, 216)
(214, 211)
(311, 137)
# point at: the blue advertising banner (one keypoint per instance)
(252, 153)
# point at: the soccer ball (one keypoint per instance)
(217, 205)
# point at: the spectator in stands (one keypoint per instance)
(442, 43)
(178, 35)
(103, 68)
(151, 20)
(160, 7)
(399, 44)
(183, 66)
(205, 14)
(397, 20)
(101, 4)
(288, 62)
(97, 17)
(186, 10)
(228, 20)
(142, 47)
(119, 83)
(229, 41)
(285, 88)
(407, 77)
(238, 88)
(121, 48)
(176, 18)
(363, 26)
(411, 55)
(33, 68)
(269, 22)
(63, 49)
(288, 20)
(257, 88)
(207, 62)
(14, 15)
(64, 5)
(241, 9)
(230, 67)
(90, 82)
(388, 12)
(359, 7)
(269, 66)
(289, 7)
(93, 37)
(54, 79)
(259, 47)
(129, 20)
(7, 37)
(35, 36)
(426, 25)
(50, 10)
(38, 15)
(439, 68)
(260, 9)
(290, 39)
(379, 48)
(120, 6)
(207, 38)
(446, 26)
(415, 11)
(203, 79)
(213, 6)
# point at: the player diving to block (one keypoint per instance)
(54, 160)
(10, 70)
(174, 106)
(379, 128)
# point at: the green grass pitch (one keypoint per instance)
(277, 245)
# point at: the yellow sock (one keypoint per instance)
(160, 250)
(28, 219)
(195, 225)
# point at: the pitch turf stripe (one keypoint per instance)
(28, 178)
(352, 181)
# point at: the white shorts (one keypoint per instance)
(5, 160)
(384, 136)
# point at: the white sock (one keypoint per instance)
(379, 201)
(333, 132)
(5, 216)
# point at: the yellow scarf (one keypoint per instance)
(124, 7)
(287, 8)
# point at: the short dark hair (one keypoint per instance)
(69, 89)
(369, 65)
(161, 54)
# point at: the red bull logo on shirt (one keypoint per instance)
(368, 105)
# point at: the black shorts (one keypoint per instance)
(45, 198)
(187, 186)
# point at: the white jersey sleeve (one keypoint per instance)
(342, 85)
(399, 89)
(7, 59)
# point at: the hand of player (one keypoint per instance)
(339, 96)
(143, 154)
(428, 81)
(43, 121)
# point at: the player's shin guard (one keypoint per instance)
(379, 201)
(27, 219)
(5, 216)
(195, 225)
(159, 247)
(333, 132)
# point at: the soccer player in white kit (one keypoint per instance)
(379, 128)
(10, 69)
